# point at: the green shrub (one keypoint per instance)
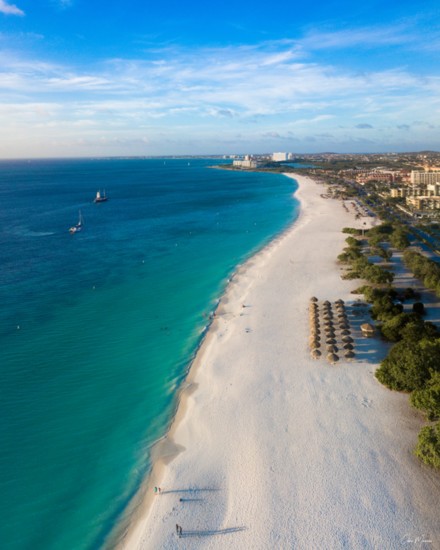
(428, 398)
(409, 294)
(352, 242)
(384, 308)
(428, 447)
(418, 308)
(399, 239)
(409, 364)
(392, 328)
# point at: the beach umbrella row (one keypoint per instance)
(330, 319)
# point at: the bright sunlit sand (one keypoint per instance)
(272, 449)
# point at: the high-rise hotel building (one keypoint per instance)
(420, 177)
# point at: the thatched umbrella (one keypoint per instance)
(343, 325)
(349, 355)
(327, 316)
(339, 301)
(330, 340)
(348, 347)
(314, 345)
(345, 332)
(332, 348)
(328, 323)
(330, 333)
(314, 336)
(316, 353)
(327, 303)
(347, 339)
(342, 316)
(367, 329)
(332, 357)
(313, 299)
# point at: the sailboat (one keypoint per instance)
(76, 228)
(99, 197)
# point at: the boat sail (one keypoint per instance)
(76, 228)
(99, 197)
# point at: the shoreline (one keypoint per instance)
(165, 449)
(235, 442)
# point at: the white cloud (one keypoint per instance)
(259, 90)
(9, 9)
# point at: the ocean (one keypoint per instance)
(98, 328)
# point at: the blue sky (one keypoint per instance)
(93, 78)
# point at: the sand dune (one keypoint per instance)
(278, 450)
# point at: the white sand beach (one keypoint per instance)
(279, 451)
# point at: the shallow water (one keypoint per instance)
(97, 329)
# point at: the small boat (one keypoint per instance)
(99, 197)
(76, 228)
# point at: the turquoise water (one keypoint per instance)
(97, 329)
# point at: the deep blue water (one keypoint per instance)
(97, 329)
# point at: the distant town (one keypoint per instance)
(409, 182)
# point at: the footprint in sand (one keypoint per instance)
(365, 402)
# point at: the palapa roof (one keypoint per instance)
(345, 332)
(366, 327)
(313, 299)
(316, 353)
(349, 355)
(348, 346)
(332, 357)
(332, 348)
(347, 339)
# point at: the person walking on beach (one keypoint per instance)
(177, 529)
(180, 531)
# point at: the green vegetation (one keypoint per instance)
(395, 234)
(352, 230)
(428, 398)
(413, 363)
(428, 447)
(423, 268)
(409, 365)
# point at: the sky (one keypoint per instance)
(94, 78)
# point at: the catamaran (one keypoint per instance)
(99, 197)
(76, 228)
